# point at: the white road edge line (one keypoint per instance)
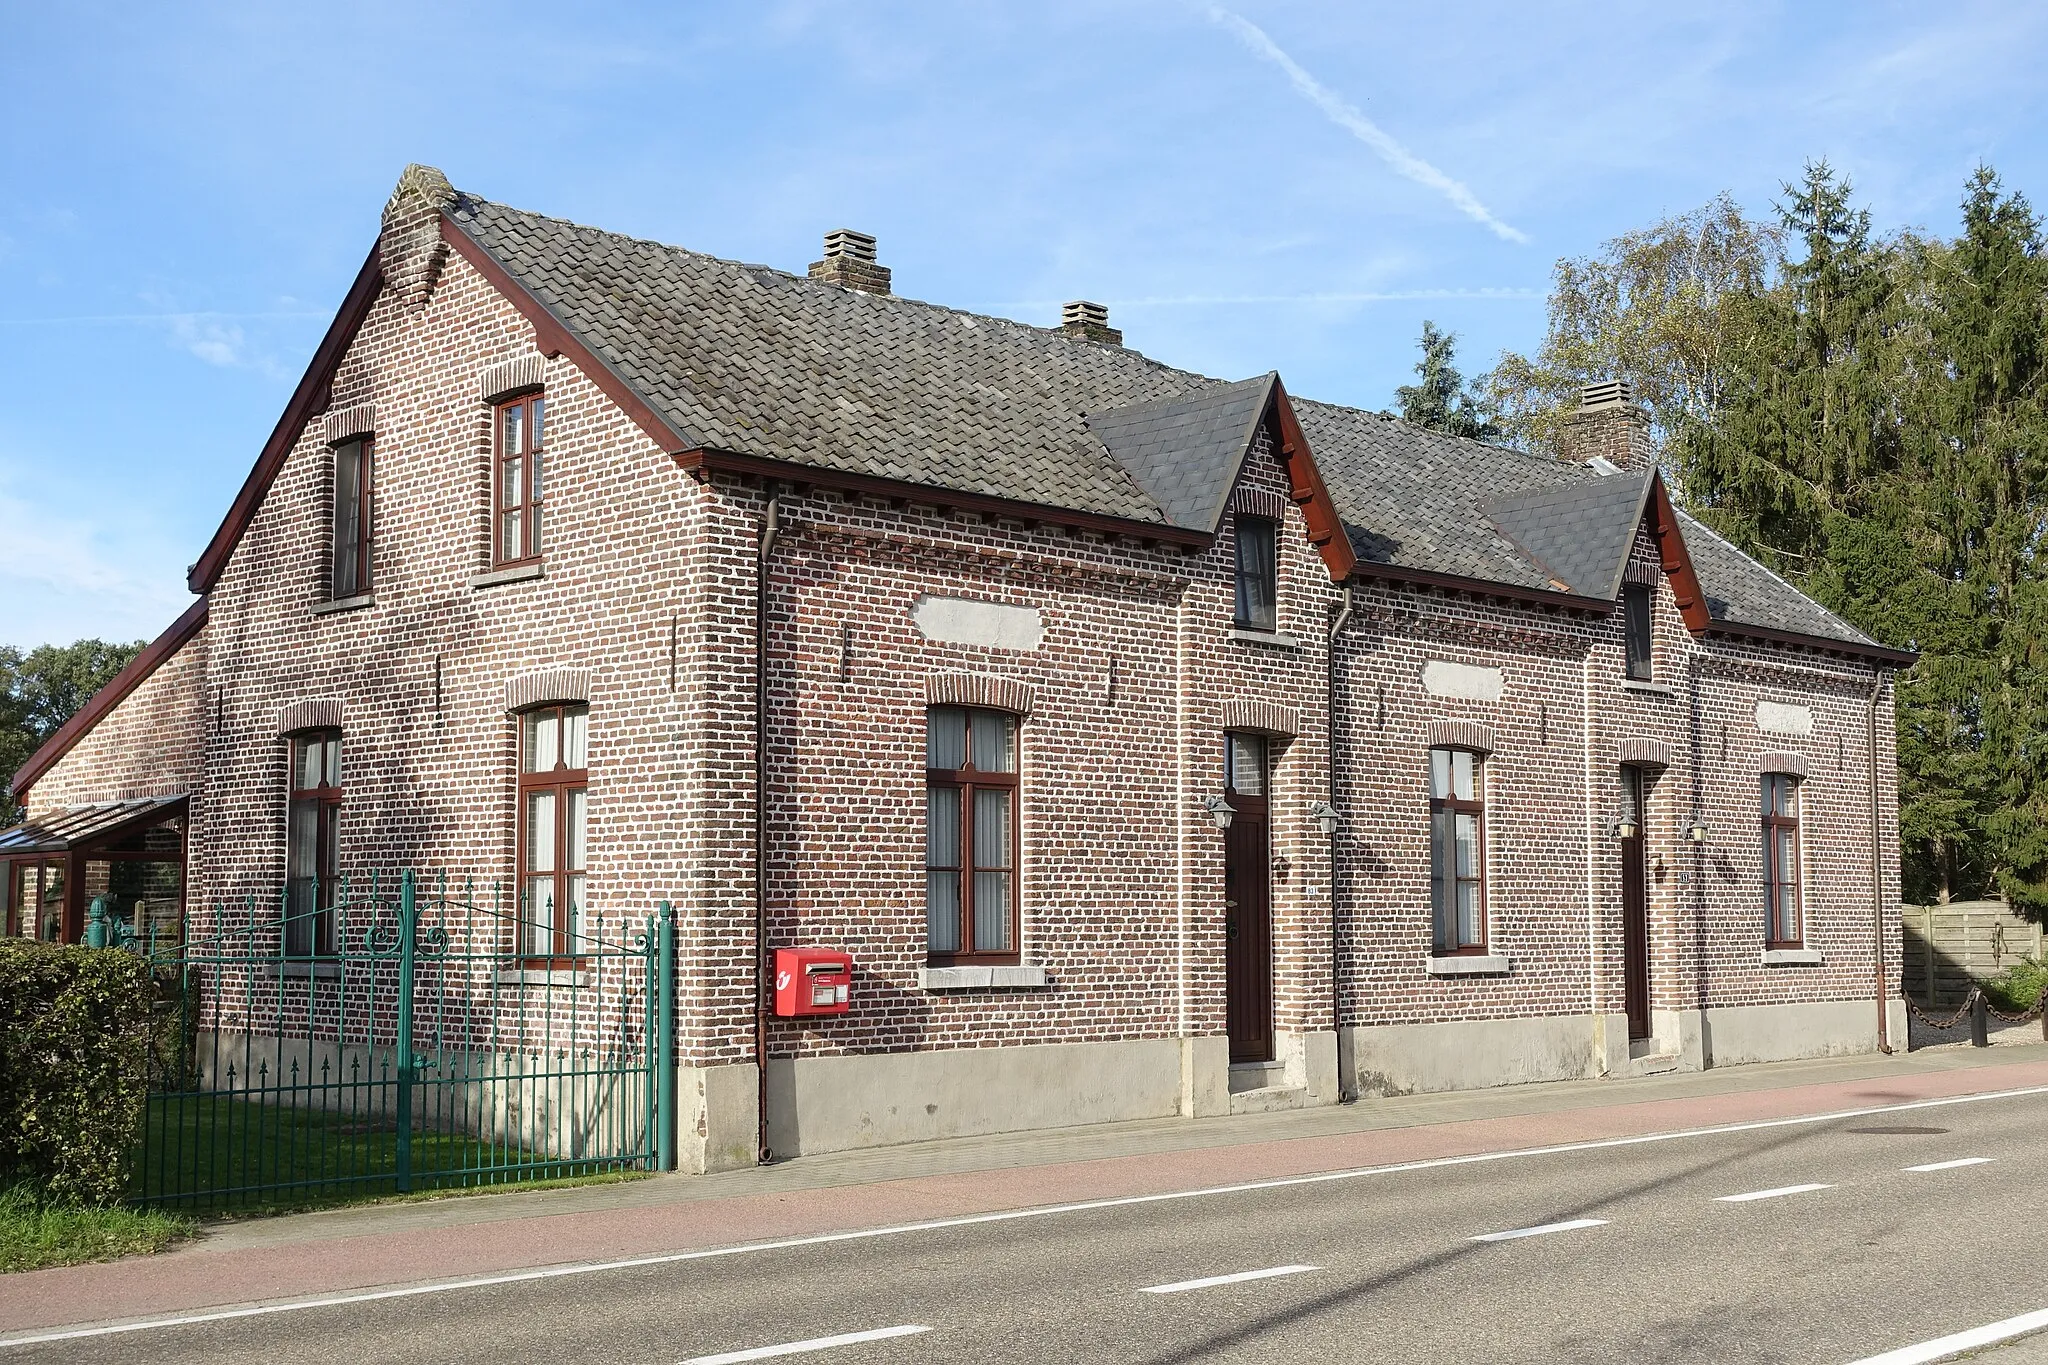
(1778, 1193)
(1541, 1229)
(1005, 1216)
(1941, 1348)
(1959, 1162)
(1183, 1286)
(791, 1348)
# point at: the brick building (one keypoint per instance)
(1153, 744)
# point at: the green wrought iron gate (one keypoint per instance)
(421, 1051)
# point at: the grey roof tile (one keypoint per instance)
(758, 361)
(1582, 533)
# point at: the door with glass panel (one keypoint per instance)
(1247, 900)
(1635, 907)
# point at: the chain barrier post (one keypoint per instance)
(408, 940)
(1980, 1020)
(665, 1044)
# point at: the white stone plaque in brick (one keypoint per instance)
(1442, 678)
(965, 621)
(1783, 718)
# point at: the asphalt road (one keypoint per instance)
(1377, 1267)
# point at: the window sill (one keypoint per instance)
(512, 573)
(543, 976)
(310, 971)
(1280, 639)
(1792, 957)
(1648, 688)
(984, 978)
(334, 604)
(1471, 964)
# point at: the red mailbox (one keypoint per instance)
(811, 981)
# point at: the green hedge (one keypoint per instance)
(73, 1029)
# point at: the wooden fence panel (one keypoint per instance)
(1948, 948)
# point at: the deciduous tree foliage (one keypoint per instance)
(1869, 417)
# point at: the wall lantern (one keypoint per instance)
(1220, 811)
(1626, 827)
(1697, 831)
(1324, 814)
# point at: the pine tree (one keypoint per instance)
(1441, 401)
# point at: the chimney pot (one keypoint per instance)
(1081, 320)
(850, 263)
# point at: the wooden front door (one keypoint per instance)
(1635, 909)
(1248, 905)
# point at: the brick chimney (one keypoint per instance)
(850, 263)
(410, 247)
(1608, 425)
(1085, 321)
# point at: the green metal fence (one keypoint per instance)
(420, 1050)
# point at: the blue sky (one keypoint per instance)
(186, 191)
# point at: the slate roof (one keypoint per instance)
(1185, 452)
(1581, 533)
(757, 361)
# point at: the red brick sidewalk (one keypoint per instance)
(203, 1276)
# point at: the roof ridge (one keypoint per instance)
(464, 199)
(1531, 455)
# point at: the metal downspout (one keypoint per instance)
(771, 523)
(1884, 1043)
(1345, 1091)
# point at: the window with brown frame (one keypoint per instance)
(1258, 572)
(970, 880)
(1457, 850)
(520, 443)
(1781, 862)
(351, 570)
(312, 839)
(553, 817)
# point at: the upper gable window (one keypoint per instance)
(520, 443)
(1635, 613)
(350, 575)
(1257, 572)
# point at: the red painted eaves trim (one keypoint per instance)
(107, 698)
(554, 338)
(309, 398)
(1676, 560)
(732, 462)
(1325, 527)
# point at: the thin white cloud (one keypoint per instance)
(62, 581)
(1347, 116)
(213, 341)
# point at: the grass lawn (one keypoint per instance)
(208, 1156)
(35, 1235)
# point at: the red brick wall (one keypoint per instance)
(152, 744)
(649, 585)
(1553, 792)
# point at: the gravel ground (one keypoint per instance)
(1920, 1035)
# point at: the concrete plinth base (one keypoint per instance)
(830, 1104)
(1777, 1033)
(718, 1119)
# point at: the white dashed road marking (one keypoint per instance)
(1941, 1348)
(1952, 1165)
(1769, 1194)
(792, 1348)
(1182, 1286)
(1539, 1231)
